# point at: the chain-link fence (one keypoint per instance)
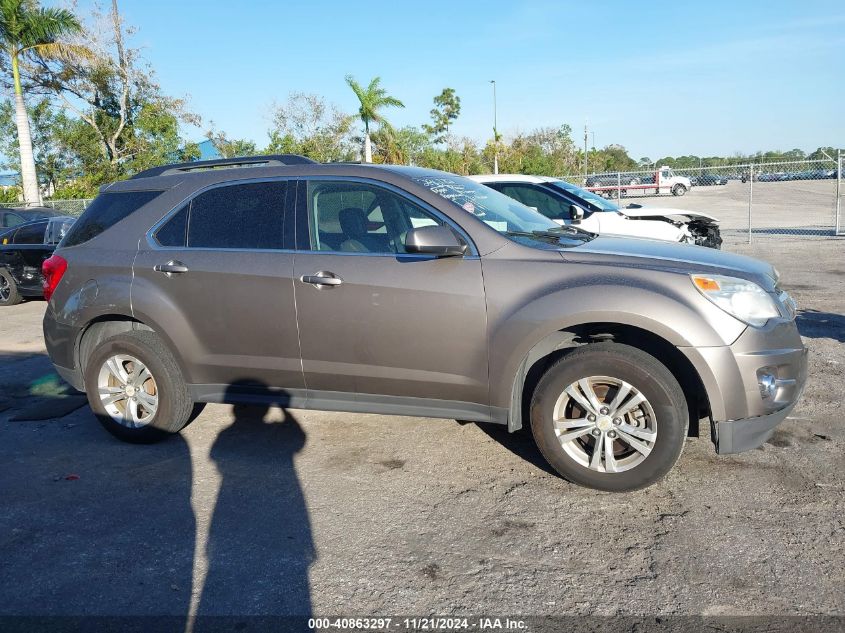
(799, 199)
(66, 207)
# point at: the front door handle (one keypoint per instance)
(171, 268)
(322, 279)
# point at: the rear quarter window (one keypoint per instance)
(107, 210)
(31, 233)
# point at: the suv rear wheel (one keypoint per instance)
(609, 416)
(136, 389)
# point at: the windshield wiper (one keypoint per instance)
(554, 235)
(568, 230)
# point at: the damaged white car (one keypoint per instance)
(566, 203)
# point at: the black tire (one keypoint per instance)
(678, 190)
(175, 407)
(9, 294)
(643, 372)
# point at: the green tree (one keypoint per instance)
(229, 147)
(117, 120)
(404, 146)
(30, 31)
(823, 153)
(447, 108)
(51, 160)
(372, 99)
(305, 124)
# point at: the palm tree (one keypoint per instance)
(29, 30)
(372, 99)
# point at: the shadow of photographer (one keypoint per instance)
(259, 544)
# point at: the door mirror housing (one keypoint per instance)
(576, 213)
(439, 241)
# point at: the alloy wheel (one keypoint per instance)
(128, 391)
(605, 424)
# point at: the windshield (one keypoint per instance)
(594, 201)
(507, 216)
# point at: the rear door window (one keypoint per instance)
(242, 216)
(107, 210)
(30, 233)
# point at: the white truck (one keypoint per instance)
(662, 181)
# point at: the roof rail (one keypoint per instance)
(270, 160)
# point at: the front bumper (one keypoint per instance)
(736, 436)
(742, 418)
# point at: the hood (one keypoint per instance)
(684, 258)
(645, 212)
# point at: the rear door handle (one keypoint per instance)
(322, 279)
(171, 268)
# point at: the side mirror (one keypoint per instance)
(576, 213)
(434, 240)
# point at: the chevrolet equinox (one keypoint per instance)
(408, 291)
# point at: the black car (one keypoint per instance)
(15, 216)
(22, 251)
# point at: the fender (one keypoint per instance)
(664, 305)
(564, 338)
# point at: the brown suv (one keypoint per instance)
(408, 291)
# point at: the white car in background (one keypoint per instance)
(568, 204)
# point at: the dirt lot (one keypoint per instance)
(329, 513)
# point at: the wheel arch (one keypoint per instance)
(99, 329)
(556, 345)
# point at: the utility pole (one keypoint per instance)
(585, 150)
(495, 132)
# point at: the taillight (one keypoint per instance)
(52, 269)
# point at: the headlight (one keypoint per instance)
(743, 299)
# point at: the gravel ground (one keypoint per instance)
(799, 208)
(257, 512)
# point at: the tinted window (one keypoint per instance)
(582, 196)
(535, 197)
(238, 216)
(174, 232)
(30, 233)
(12, 219)
(107, 210)
(361, 218)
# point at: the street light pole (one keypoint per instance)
(495, 132)
(585, 151)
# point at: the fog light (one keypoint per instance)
(768, 384)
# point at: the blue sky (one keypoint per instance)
(660, 78)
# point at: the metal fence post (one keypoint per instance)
(750, 198)
(838, 191)
(619, 187)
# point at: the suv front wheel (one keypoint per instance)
(136, 389)
(609, 416)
